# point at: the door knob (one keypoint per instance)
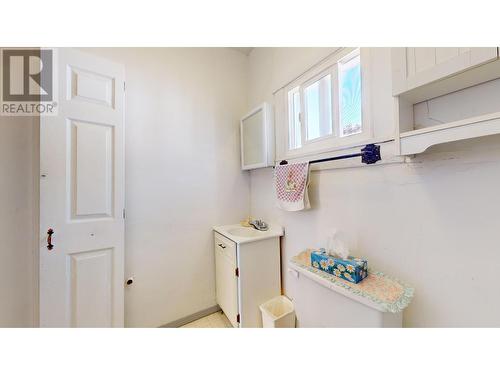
(50, 232)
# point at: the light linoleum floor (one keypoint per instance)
(215, 320)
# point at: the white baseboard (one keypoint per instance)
(191, 318)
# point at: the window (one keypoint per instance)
(350, 96)
(324, 106)
(318, 108)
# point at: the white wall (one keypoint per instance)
(182, 173)
(18, 212)
(473, 101)
(433, 223)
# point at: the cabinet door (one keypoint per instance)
(260, 278)
(417, 66)
(257, 139)
(226, 283)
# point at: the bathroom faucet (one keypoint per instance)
(259, 225)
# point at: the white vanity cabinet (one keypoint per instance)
(248, 272)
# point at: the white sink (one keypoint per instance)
(240, 234)
(243, 232)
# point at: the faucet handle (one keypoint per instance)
(259, 224)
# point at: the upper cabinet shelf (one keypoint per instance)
(417, 141)
(420, 75)
(423, 73)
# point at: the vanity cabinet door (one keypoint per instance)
(413, 67)
(225, 274)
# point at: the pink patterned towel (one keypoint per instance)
(291, 182)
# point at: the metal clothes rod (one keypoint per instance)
(370, 154)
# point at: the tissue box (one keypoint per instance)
(351, 269)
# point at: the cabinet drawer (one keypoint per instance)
(225, 246)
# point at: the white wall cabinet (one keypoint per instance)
(247, 275)
(414, 67)
(425, 73)
(257, 138)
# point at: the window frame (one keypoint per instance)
(290, 113)
(332, 141)
(345, 61)
(303, 122)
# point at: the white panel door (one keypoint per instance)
(82, 196)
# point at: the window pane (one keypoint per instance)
(350, 96)
(318, 103)
(294, 131)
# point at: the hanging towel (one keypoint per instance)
(291, 181)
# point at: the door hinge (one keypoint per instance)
(237, 272)
(238, 318)
(123, 85)
(123, 213)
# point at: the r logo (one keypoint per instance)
(27, 75)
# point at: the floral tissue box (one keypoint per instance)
(350, 269)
